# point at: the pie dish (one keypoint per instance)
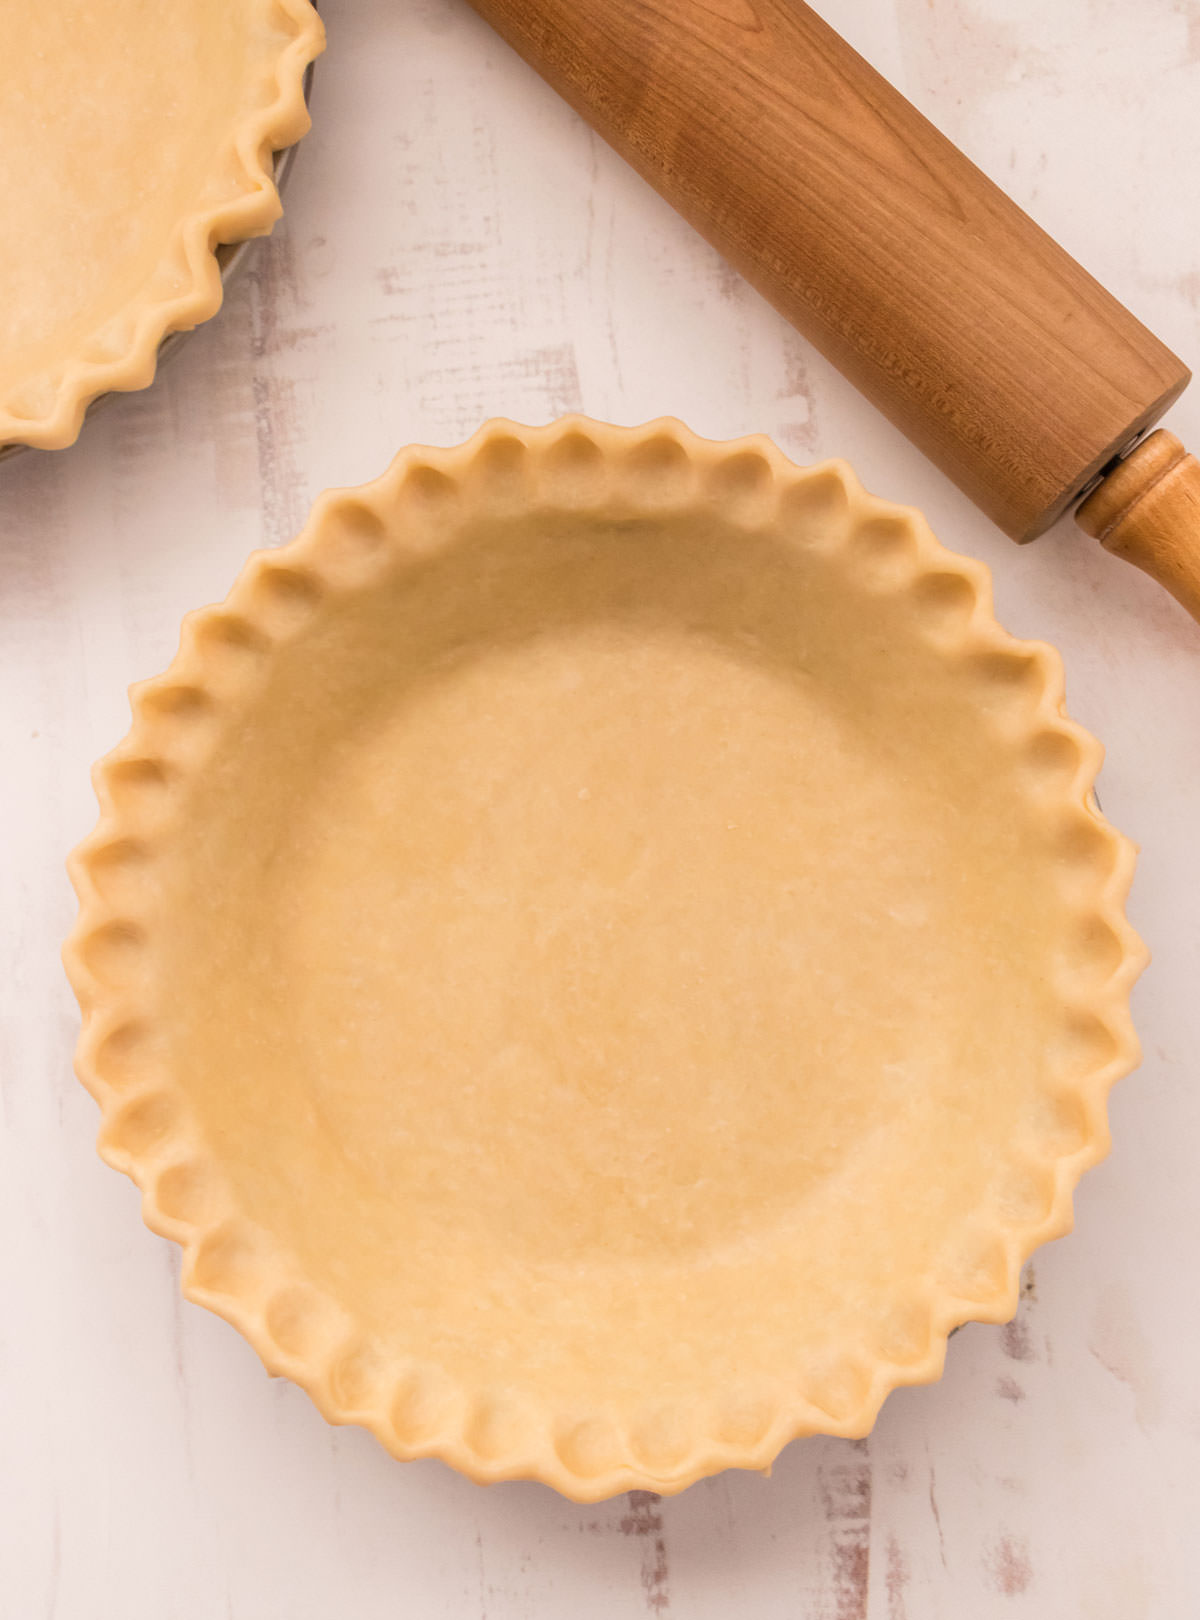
(604, 953)
(136, 140)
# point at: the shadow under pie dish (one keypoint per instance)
(134, 141)
(603, 953)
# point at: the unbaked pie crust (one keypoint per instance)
(603, 953)
(134, 139)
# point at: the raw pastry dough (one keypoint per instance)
(608, 949)
(133, 139)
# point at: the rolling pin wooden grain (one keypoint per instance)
(955, 314)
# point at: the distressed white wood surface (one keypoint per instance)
(457, 245)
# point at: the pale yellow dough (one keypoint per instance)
(629, 949)
(133, 137)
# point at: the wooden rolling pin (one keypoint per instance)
(981, 339)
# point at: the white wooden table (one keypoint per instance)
(458, 245)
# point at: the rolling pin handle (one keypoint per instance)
(1147, 510)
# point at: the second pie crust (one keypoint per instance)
(135, 141)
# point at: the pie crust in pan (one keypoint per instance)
(603, 953)
(134, 141)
